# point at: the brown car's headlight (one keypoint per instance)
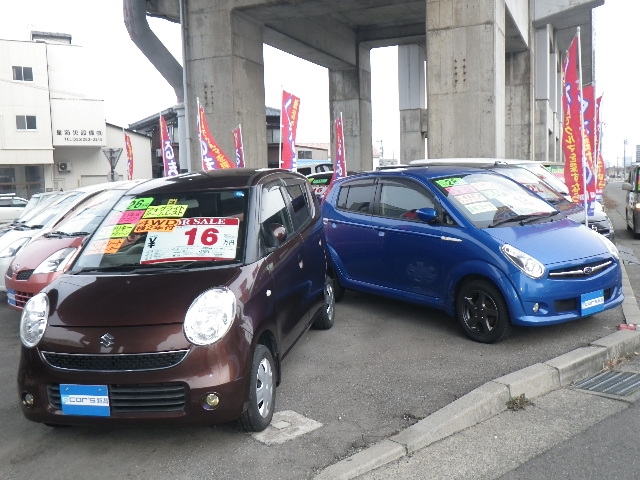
(210, 316)
(33, 322)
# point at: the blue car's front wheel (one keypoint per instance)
(482, 312)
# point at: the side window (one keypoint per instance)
(299, 204)
(273, 209)
(401, 201)
(355, 197)
(23, 74)
(5, 202)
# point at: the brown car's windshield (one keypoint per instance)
(168, 228)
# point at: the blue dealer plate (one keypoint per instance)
(90, 400)
(592, 302)
(11, 297)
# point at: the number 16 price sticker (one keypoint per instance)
(200, 238)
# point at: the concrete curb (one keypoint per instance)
(491, 398)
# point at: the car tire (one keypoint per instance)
(324, 319)
(338, 289)
(482, 312)
(262, 392)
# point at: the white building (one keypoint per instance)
(51, 135)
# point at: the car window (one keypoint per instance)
(273, 209)
(88, 217)
(5, 202)
(300, 205)
(490, 200)
(169, 228)
(355, 197)
(401, 201)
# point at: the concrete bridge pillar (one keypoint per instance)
(350, 93)
(225, 70)
(519, 134)
(466, 78)
(412, 99)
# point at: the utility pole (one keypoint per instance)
(624, 159)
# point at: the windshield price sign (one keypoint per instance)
(199, 238)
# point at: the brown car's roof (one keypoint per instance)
(227, 178)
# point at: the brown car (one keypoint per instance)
(181, 306)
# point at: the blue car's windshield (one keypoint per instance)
(489, 200)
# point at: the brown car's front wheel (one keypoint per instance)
(262, 392)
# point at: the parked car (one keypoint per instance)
(44, 219)
(308, 167)
(11, 207)
(599, 221)
(181, 306)
(42, 259)
(632, 207)
(557, 168)
(320, 183)
(470, 242)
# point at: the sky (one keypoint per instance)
(132, 89)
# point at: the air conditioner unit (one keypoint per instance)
(64, 167)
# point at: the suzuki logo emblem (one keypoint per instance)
(587, 270)
(106, 340)
(594, 227)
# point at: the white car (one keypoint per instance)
(11, 207)
(45, 220)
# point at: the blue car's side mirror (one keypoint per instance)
(426, 214)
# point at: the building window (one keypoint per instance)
(24, 74)
(304, 155)
(26, 122)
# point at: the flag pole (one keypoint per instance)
(584, 159)
(280, 139)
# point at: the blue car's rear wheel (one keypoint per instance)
(482, 312)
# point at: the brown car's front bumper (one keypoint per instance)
(144, 389)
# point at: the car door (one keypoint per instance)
(308, 225)
(285, 261)
(410, 256)
(349, 232)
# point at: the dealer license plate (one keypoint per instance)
(89, 400)
(592, 302)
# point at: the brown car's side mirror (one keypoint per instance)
(276, 234)
(627, 186)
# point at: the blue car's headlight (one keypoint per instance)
(210, 316)
(613, 250)
(525, 263)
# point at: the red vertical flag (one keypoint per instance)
(129, 148)
(213, 158)
(168, 158)
(289, 120)
(597, 155)
(589, 143)
(237, 141)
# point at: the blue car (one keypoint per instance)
(468, 241)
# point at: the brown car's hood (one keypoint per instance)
(90, 300)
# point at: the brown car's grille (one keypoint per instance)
(24, 275)
(581, 271)
(159, 397)
(114, 363)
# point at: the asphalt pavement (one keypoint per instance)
(573, 416)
